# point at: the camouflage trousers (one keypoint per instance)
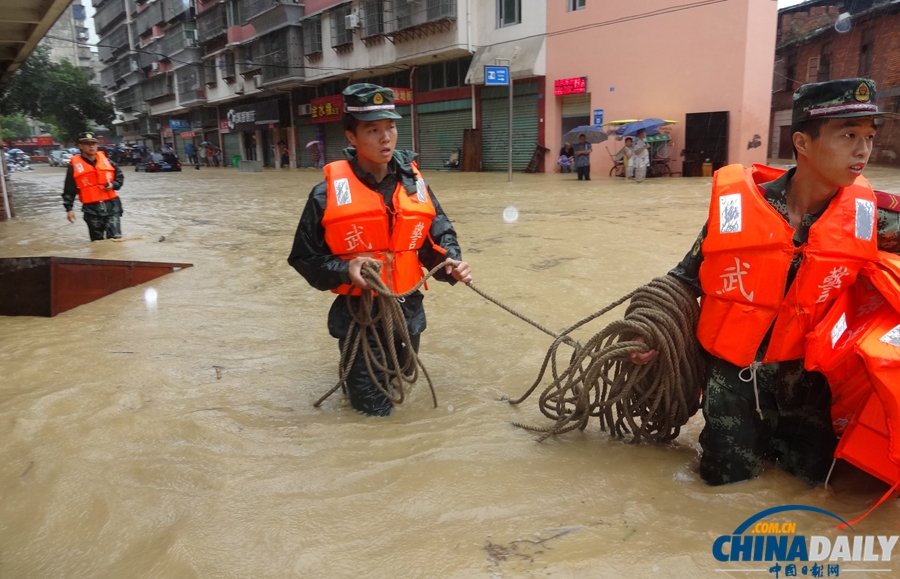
(100, 225)
(365, 395)
(794, 432)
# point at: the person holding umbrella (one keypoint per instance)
(583, 151)
(640, 159)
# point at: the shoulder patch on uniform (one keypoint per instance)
(342, 192)
(889, 201)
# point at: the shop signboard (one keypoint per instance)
(598, 117)
(496, 75)
(167, 133)
(34, 142)
(179, 124)
(186, 135)
(249, 117)
(564, 86)
(327, 109)
(402, 96)
(223, 126)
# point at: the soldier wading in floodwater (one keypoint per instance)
(374, 205)
(95, 180)
(776, 251)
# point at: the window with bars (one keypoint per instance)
(440, 75)
(209, 72)
(790, 72)
(312, 35)
(227, 64)
(509, 12)
(576, 5)
(340, 34)
(866, 52)
(372, 18)
(824, 63)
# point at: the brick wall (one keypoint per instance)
(799, 23)
(845, 62)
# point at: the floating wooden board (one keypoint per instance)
(47, 286)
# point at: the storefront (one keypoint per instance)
(495, 125)
(257, 127)
(328, 112)
(231, 143)
(306, 133)
(441, 128)
(402, 102)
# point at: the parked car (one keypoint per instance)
(59, 158)
(159, 163)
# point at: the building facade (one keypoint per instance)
(68, 39)
(824, 40)
(256, 76)
(705, 65)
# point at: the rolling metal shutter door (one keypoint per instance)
(441, 131)
(232, 142)
(495, 127)
(404, 129)
(576, 105)
(335, 142)
(305, 134)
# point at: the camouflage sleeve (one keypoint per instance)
(888, 230)
(688, 270)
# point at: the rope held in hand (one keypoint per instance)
(396, 377)
(652, 401)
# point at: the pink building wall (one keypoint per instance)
(650, 59)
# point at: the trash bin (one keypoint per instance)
(235, 161)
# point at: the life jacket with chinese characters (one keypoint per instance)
(857, 347)
(358, 224)
(747, 255)
(92, 179)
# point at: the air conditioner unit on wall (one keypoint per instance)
(239, 88)
(154, 66)
(304, 109)
(351, 21)
(257, 80)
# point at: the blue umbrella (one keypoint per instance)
(650, 125)
(591, 134)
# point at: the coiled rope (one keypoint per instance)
(652, 401)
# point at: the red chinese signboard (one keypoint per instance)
(186, 135)
(223, 126)
(34, 142)
(327, 109)
(402, 96)
(167, 133)
(570, 85)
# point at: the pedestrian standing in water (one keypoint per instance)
(583, 151)
(777, 250)
(373, 206)
(94, 179)
(641, 156)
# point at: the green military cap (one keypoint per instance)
(84, 138)
(369, 102)
(836, 99)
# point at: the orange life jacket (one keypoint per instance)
(91, 179)
(747, 255)
(357, 224)
(857, 348)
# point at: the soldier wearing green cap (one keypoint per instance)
(776, 251)
(373, 205)
(94, 179)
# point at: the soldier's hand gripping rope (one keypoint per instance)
(651, 401)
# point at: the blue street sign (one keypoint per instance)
(179, 124)
(598, 117)
(496, 75)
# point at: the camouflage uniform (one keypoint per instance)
(103, 218)
(100, 225)
(795, 430)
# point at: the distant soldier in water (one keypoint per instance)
(94, 179)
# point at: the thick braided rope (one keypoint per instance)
(651, 402)
(396, 377)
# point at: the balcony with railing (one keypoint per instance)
(108, 78)
(269, 15)
(341, 36)
(148, 126)
(282, 57)
(113, 43)
(148, 56)
(126, 69)
(229, 70)
(157, 87)
(127, 99)
(108, 14)
(148, 18)
(372, 18)
(312, 37)
(180, 45)
(191, 90)
(412, 17)
(172, 9)
(212, 23)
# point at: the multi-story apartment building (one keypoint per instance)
(68, 38)
(827, 39)
(250, 74)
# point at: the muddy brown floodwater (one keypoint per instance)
(181, 442)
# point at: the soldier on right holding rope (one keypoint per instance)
(776, 251)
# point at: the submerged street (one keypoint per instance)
(178, 440)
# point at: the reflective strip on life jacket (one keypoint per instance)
(747, 256)
(92, 179)
(357, 224)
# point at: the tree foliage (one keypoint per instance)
(59, 94)
(15, 127)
